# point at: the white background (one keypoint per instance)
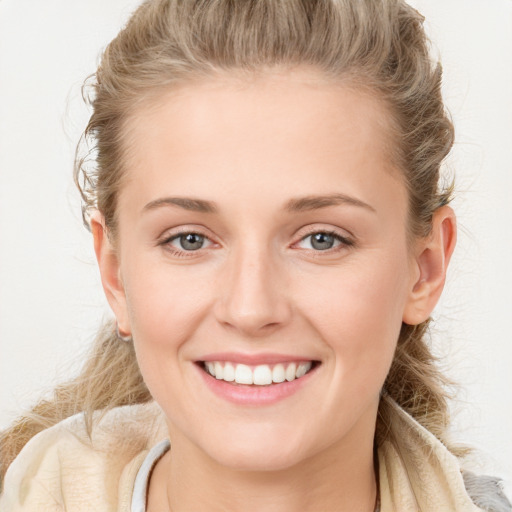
(50, 297)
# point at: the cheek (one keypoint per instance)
(163, 302)
(358, 312)
(365, 294)
(165, 309)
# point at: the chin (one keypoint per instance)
(256, 460)
(257, 452)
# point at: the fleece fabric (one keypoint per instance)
(62, 469)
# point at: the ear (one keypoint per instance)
(430, 265)
(108, 263)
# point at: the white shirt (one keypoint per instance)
(140, 488)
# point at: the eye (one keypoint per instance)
(188, 241)
(323, 241)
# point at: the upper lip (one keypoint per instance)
(255, 359)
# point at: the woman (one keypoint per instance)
(272, 239)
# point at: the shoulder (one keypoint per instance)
(417, 471)
(486, 492)
(64, 468)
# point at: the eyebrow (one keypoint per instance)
(317, 202)
(294, 205)
(187, 203)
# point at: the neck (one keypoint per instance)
(341, 478)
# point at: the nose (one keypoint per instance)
(252, 294)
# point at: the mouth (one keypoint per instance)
(238, 374)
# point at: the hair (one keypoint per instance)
(376, 44)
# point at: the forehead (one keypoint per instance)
(288, 129)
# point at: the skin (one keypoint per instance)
(258, 285)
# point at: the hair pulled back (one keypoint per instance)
(376, 44)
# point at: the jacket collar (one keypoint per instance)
(416, 471)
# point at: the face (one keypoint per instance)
(262, 226)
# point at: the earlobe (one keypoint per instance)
(431, 264)
(108, 264)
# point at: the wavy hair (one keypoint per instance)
(376, 44)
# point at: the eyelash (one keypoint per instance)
(344, 242)
(177, 252)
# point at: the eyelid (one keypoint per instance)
(346, 241)
(172, 234)
(179, 235)
(343, 234)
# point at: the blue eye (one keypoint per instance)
(323, 241)
(188, 241)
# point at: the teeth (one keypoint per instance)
(243, 374)
(290, 372)
(229, 372)
(278, 373)
(302, 370)
(219, 371)
(261, 375)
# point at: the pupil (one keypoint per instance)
(191, 241)
(322, 241)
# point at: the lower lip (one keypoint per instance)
(242, 394)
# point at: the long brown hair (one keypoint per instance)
(376, 44)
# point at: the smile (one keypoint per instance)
(260, 375)
(256, 379)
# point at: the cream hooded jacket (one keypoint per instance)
(61, 469)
